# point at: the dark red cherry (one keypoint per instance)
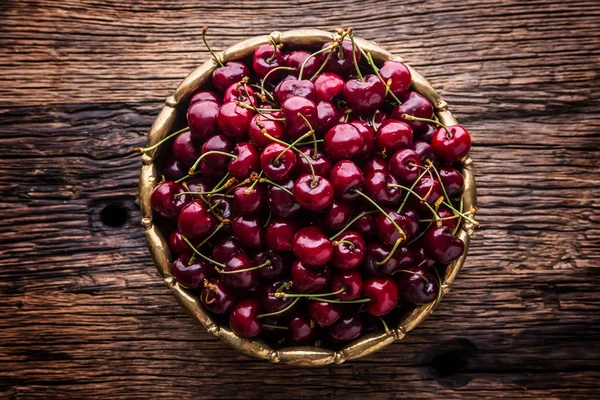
(185, 149)
(324, 314)
(426, 134)
(405, 165)
(295, 126)
(211, 175)
(377, 252)
(310, 279)
(328, 86)
(272, 128)
(279, 235)
(275, 269)
(425, 152)
(312, 247)
(244, 318)
(270, 304)
(451, 147)
(341, 65)
(319, 161)
(291, 87)
(327, 116)
(241, 93)
(452, 180)
(368, 137)
(366, 226)
(301, 329)
(397, 75)
(349, 250)
(416, 105)
(230, 73)
(249, 231)
(337, 215)
(351, 281)
(234, 120)
(314, 194)
(282, 204)
(202, 119)
(205, 95)
(445, 212)
(239, 280)
(418, 288)
(383, 293)
(427, 186)
(247, 161)
(420, 255)
(223, 250)
(172, 169)
(178, 245)
(392, 136)
(277, 161)
(198, 184)
(377, 187)
(191, 275)
(347, 328)
(248, 201)
(388, 233)
(366, 95)
(343, 141)
(442, 246)
(264, 60)
(223, 208)
(375, 164)
(195, 221)
(167, 199)
(346, 177)
(217, 297)
(414, 219)
(296, 58)
(217, 143)
(372, 118)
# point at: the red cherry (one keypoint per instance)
(351, 281)
(244, 318)
(314, 194)
(278, 266)
(282, 204)
(295, 125)
(239, 280)
(346, 177)
(348, 250)
(328, 86)
(319, 161)
(368, 137)
(310, 279)
(185, 149)
(243, 94)
(427, 186)
(375, 164)
(451, 147)
(279, 235)
(167, 199)
(217, 143)
(291, 87)
(202, 119)
(445, 212)
(230, 73)
(211, 175)
(191, 275)
(301, 329)
(442, 246)
(366, 226)
(312, 247)
(420, 255)
(341, 65)
(249, 231)
(247, 161)
(217, 297)
(343, 141)
(272, 128)
(416, 105)
(399, 75)
(366, 95)
(178, 245)
(393, 135)
(222, 207)
(452, 180)
(377, 252)
(234, 120)
(414, 219)
(377, 187)
(271, 304)
(324, 314)
(195, 221)
(426, 134)
(296, 58)
(205, 95)
(223, 250)
(198, 184)
(172, 169)
(383, 293)
(277, 161)
(248, 201)
(388, 233)
(417, 288)
(425, 152)
(405, 164)
(347, 328)
(264, 60)
(327, 116)
(337, 215)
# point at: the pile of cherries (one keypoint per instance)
(312, 196)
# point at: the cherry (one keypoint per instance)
(266, 57)
(249, 231)
(239, 280)
(291, 87)
(314, 193)
(281, 203)
(378, 252)
(178, 245)
(341, 65)
(417, 288)
(217, 297)
(328, 86)
(228, 74)
(319, 161)
(373, 119)
(173, 170)
(301, 329)
(247, 161)
(279, 235)
(430, 187)
(347, 328)
(296, 58)
(225, 249)
(383, 293)
(167, 199)
(452, 180)
(292, 108)
(364, 95)
(272, 128)
(346, 177)
(198, 184)
(310, 279)
(241, 93)
(388, 233)
(445, 212)
(205, 95)
(375, 164)
(243, 319)
(405, 164)
(312, 247)
(217, 143)
(414, 219)
(351, 281)
(277, 161)
(420, 255)
(275, 269)
(416, 105)
(210, 174)
(426, 134)
(191, 275)
(398, 76)
(368, 137)
(195, 221)
(222, 207)
(202, 119)
(271, 304)
(348, 250)
(453, 145)
(324, 314)
(425, 152)
(234, 120)
(442, 246)
(366, 226)
(343, 141)
(248, 200)
(337, 215)
(185, 149)
(327, 116)
(377, 187)
(393, 135)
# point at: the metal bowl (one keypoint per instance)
(150, 177)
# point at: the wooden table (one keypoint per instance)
(84, 312)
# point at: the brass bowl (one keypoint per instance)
(305, 355)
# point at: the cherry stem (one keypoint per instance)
(268, 219)
(223, 272)
(285, 328)
(294, 143)
(199, 159)
(316, 53)
(261, 88)
(270, 59)
(364, 196)
(442, 219)
(312, 169)
(313, 141)
(259, 111)
(411, 188)
(349, 243)
(430, 165)
(435, 214)
(461, 210)
(283, 295)
(270, 182)
(213, 233)
(223, 182)
(370, 61)
(412, 273)
(385, 327)
(172, 135)
(255, 180)
(439, 296)
(431, 121)
(323, 65)
(351, 35)
(349, 224)
(311, 129)
(182, 179)
(204, 29)
(463, 215)
(264, 79)
(200, 254)
(289, 307)
(341, 301)
(390, 254)
(347, 115)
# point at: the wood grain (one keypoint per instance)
(85, 314)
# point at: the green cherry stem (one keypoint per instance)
(311, 142)
(150, 148)
(270, 182)
(411, 188)
(316, 53)
(341, 301)
(390, 254)
(213, 233)
(431, 121)
(223, 181)
(182, 179)
(293, 144)
(262, 83)
(283, 295)
(458, 224)
(204, 29)
(255, 180)
(208, 153)
(312, 169)
(289, 307)
(439, 278)
(364, 196)
(275, 48)
(385, 327)
(260, 111)
(312, 131)
(323, 65)
(200, 254)
(349, 243)
(349, 224)
(351, 35)
(412, 273)
(223, 272)
(285, 328)
(370, 61)
(268, 219)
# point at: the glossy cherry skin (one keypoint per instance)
(244, 318)
(301, 329)
(420, 255)
(295, 126)
(416, 105)
(328, 86)
(310, 279)
(399, 75)
(279, 235)
(319, 161)
(452, 180)
(249, 231)
(167, 200)
(282, 204)
(343, 141)
(372, 118)
(272, 128)
(337, 215)
(217, 297)
(383, 293)
(427, 186)
(377, 252)
(388, 233)
(223, 250)
(230, 73)
(426, 133)
(178, 245)
(244, 94)
(234, 120)
(314, 195)
(223, 208)
(419, 288)
(347, 328)
(240, 280)
(191, 275)
(445, 212)
(368, 136)
(346, 178)
(378, 189)
(195, 221)
(367, 95)
(392, 136)
(296, 58)
(327, 116)
(185, 149)
(351, 281)
(375, 164)
(346, 256)
(312, 247)
(205, 95)
(414, 219)
(202, 119)
(277, 161)
(270, 304)
(262, 62)
(405, 166)
(173, 170)
(247, 161)
(274, 270)
(217, 143)
(211, 175)
(248, 201)
(451, 148)
(425, 152)
(198, 184)
(291, 86)
(442, 246)
(344, 65)
(366, 226)
(324, 314)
